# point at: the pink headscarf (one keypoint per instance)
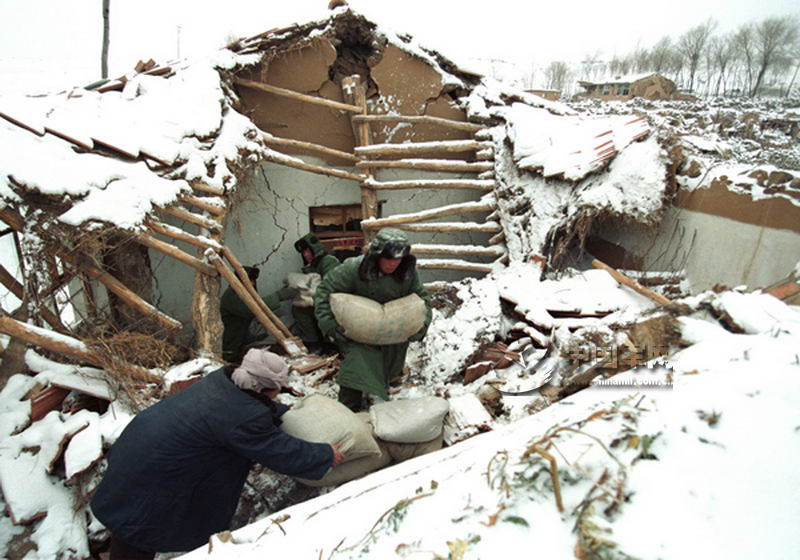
(261, 370)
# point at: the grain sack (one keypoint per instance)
(321, 419)
(351, 470)
(404, 451)
(306, 285)
(409, 420)
(370, 322)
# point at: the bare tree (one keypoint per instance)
(557, 74)
(693, 43)
(744, 45)
(722, 52)
(775, 40)
(660, 55)
(106, 29)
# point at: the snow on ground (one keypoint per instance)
(703, 466)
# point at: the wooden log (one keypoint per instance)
(126, 295)
(185, 215)
(420, 119)
(296, 95)
(206, 316)
(205, 188)
(632, 284)
(289, 161)
(355, 92)
(12, 218)
(449, 210)
(452, 227)
(177, 233)
(446, 264)
(475, 184)
(498, 239)
(414, 148)
(68, 346)
(242, 274)
(428, 165)
(318, 148)
(175, 253)
(455, 250)
(213, 209)
(248, 300)
(11, 284)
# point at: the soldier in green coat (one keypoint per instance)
(387, 271)
(236, 316)
(315, 260)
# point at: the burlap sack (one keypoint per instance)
(404, 451)
(409, 420)
(306, 285)
(367, 321)
(351, 470)
(321, 419)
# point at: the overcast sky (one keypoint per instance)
(44, 43)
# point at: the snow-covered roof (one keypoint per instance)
(626, 79)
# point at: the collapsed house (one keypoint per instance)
(123, 196)
(648, 85)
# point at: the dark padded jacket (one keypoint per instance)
(175, 474)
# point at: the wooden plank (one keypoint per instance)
(445, 264)
(296, 95)
(172, 251)
(421, 119)
(475, 184)
(632, 284)
(289, 161)
(318, 148)
(456, 250)
(428, 165)
(414, 148)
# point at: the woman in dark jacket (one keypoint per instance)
(175, 474)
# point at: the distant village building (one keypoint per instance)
(549, 94)
(649, 86)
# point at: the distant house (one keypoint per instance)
(649, 86)
(549, 94)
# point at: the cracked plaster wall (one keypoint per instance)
(271, 213)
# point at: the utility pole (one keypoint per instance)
(178, 40)
(106, 29)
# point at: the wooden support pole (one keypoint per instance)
(70, 347)
(421, 119)
(204, 188)
(632, 284)
(213, 209)
(177, 233)
(498, 239)
(175, 253)
(475, 184)
(126, 295)
(453, 209)
(318, 148)
(415, 148)
(289, 161)
(242, 274)
(11, 284)
(472, 227)
(248, 300)
(454, 265)
(296, 95)
(183, 214)
(354, 92)
(457, 250)
(12, 218)
(452, 166)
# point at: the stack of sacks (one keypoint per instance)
(323, 420)
(391, 431)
